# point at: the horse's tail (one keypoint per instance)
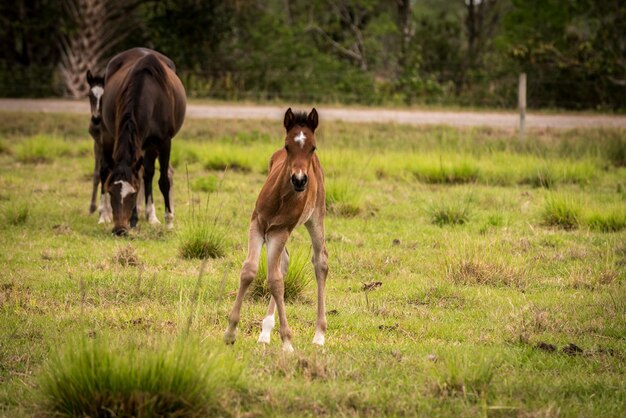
(129, 102)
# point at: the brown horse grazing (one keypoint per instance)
(96, 89)
(143, 107)
(292, 195)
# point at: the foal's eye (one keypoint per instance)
(313, 149)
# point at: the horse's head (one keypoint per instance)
(96, 89)
(123, 186)
(300, 146)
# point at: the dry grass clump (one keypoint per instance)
(127, 256)
(472, 270)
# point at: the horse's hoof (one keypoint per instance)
(287, 347)
(92, 208)
(264, 338)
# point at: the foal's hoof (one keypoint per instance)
(154, 221)
(287, 347)
(318, 339)
(229, 338)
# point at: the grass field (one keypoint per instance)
(471, 273)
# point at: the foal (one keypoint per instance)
(292, 195)
(96, 90)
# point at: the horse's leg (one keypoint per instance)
(166, 182)
(275, 250)
(97, 153)
(268, 322)
(248, 273)
(140, 194)
(105, 211)
(320, 263)
(148, 174)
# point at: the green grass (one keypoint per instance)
(297, 281)
(99, 377)
(456, 320)
(201, 239)
(343, 198)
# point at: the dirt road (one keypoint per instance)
(506, 120)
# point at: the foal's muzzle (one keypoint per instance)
(299, 183)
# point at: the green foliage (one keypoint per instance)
(298, 278)
(561, 211)
(343, 198)
(464, 377)
(449, 213)
(612, 221)
(42, 149)
(463, 172)
(88, 377)
(15, 213)
(205, 184)
(201, 238)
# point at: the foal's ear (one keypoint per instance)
(289, 120)
(311, 120)
(90, 77)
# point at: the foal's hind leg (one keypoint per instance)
(166, 182)
(268, 322)
(97, 153)
(248, 273)
(320, 262)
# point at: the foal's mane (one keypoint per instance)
(129, 102)
(300, 118)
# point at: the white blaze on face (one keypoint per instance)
(97, 93)
(127, 189)
(300, 138)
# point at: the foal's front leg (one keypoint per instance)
(275, 279)
(268, 322)
(320, 263)
(248, 273)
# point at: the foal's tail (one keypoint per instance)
(129, 102)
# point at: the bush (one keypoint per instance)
(92, 378)
(298, 278)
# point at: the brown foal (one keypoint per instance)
(292, 195)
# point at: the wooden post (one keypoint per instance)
(521, 93)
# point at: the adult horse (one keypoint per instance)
(143, 107)
(292, 195)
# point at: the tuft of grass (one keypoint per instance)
(127, 256)
(16, 214)
(460, 376)
(458, 173)
(444, 213)
(201, 239)
(42, 149)
(540, 177)
(473, 270)
(94, 378)
(561, 212)
(343, 198)
(222, 158)
(205, 184)
(297, 279)
(614, 221)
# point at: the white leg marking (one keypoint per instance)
(151, 213)
(105, 211)
(287, 347)
(319, 338)
(169, 220)
(266, 329)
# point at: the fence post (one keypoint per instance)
(521, 94)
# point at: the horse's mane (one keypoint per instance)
(128, 103)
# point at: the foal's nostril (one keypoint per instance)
(298, 183)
